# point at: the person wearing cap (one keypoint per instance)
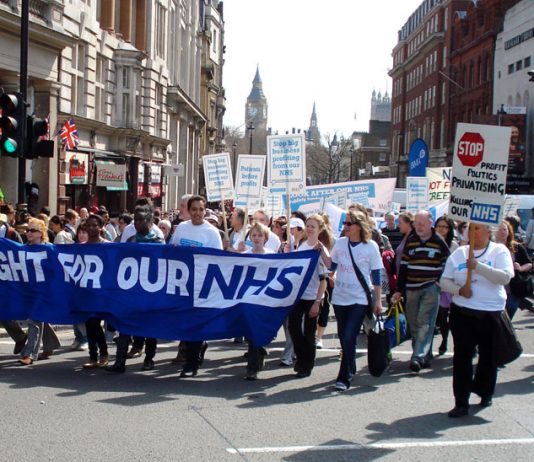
(296, 234)
(213, 219)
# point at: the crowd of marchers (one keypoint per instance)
(412, 259)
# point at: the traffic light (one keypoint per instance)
(11, 123)
(36, 146)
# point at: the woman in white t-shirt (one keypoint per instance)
(472, 312)
(302, 321)
(349, 298)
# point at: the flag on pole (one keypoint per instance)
(69, 134)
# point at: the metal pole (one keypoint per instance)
(24, 25)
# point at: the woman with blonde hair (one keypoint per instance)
(353, 253)
(302, 321)
(38, 331)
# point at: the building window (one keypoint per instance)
(527, 62)
(519, 65)
(78, 79)
(160, 30)
(382, 156)
(159, 110)
(510, 69)
(100, 88)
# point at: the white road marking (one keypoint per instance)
(400, 445)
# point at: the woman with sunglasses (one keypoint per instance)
(350, 297)
(445, 227)
(38, 331)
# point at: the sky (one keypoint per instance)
(333, 52)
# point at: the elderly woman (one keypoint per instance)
(473, 310)
(38, 331)
(355, 249)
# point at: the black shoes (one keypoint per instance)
(486, 402)
(186, 372)
(20, 345)
(458, 411)
(148, 365)
(415, 366)
(117, 368)
(302, 374)
(251, 375)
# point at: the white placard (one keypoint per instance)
(76, 169)
(511, 204)
(249, 181)
(274, 205)
(479, 168)
(286, 164)
(218, 177)
(416, 193)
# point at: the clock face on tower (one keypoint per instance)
(252, 111)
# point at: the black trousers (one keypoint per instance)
(96, 338)
(255, 358)
(302, 329)
(123, 341)
(14, 330)
(194, 352)
(471, 329)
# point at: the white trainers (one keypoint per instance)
(340, 386)
(78, 346)
(319, 344)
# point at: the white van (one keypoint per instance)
(526, 203)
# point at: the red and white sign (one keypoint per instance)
(479, 169)
(110, 175)
(470, 150)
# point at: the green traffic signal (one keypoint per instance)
(10, 145)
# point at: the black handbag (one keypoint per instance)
(369, 294)
(377, 347)
(506, 346)
(521, 285)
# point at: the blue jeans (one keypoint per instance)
(422, 307)
(349, 323)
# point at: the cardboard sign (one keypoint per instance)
(218, 177)
(479, 169)
(286, 160)
(249, 180)
(110, 175)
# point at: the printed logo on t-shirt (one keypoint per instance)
(190, 243)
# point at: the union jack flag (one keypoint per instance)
(69, 134)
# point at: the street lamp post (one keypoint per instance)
(333, 150)
(250, 128)
(234, 155)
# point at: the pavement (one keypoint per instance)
(55, 410)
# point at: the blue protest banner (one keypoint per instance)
(154, 290)
(418, 158)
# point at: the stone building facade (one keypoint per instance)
(142, 80)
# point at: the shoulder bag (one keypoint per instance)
(369, 294)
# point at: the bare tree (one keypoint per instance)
(331, 162)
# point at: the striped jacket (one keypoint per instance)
(422, 262)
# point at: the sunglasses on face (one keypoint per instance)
(349, 223)
(33, 230)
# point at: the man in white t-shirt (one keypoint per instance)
(196, 232)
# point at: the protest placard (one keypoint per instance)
(479, 169)
(416, 193)
(249, 181)
(286, 160)
(439, 183)
(218, 176)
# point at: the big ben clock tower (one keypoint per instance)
(256, 114)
